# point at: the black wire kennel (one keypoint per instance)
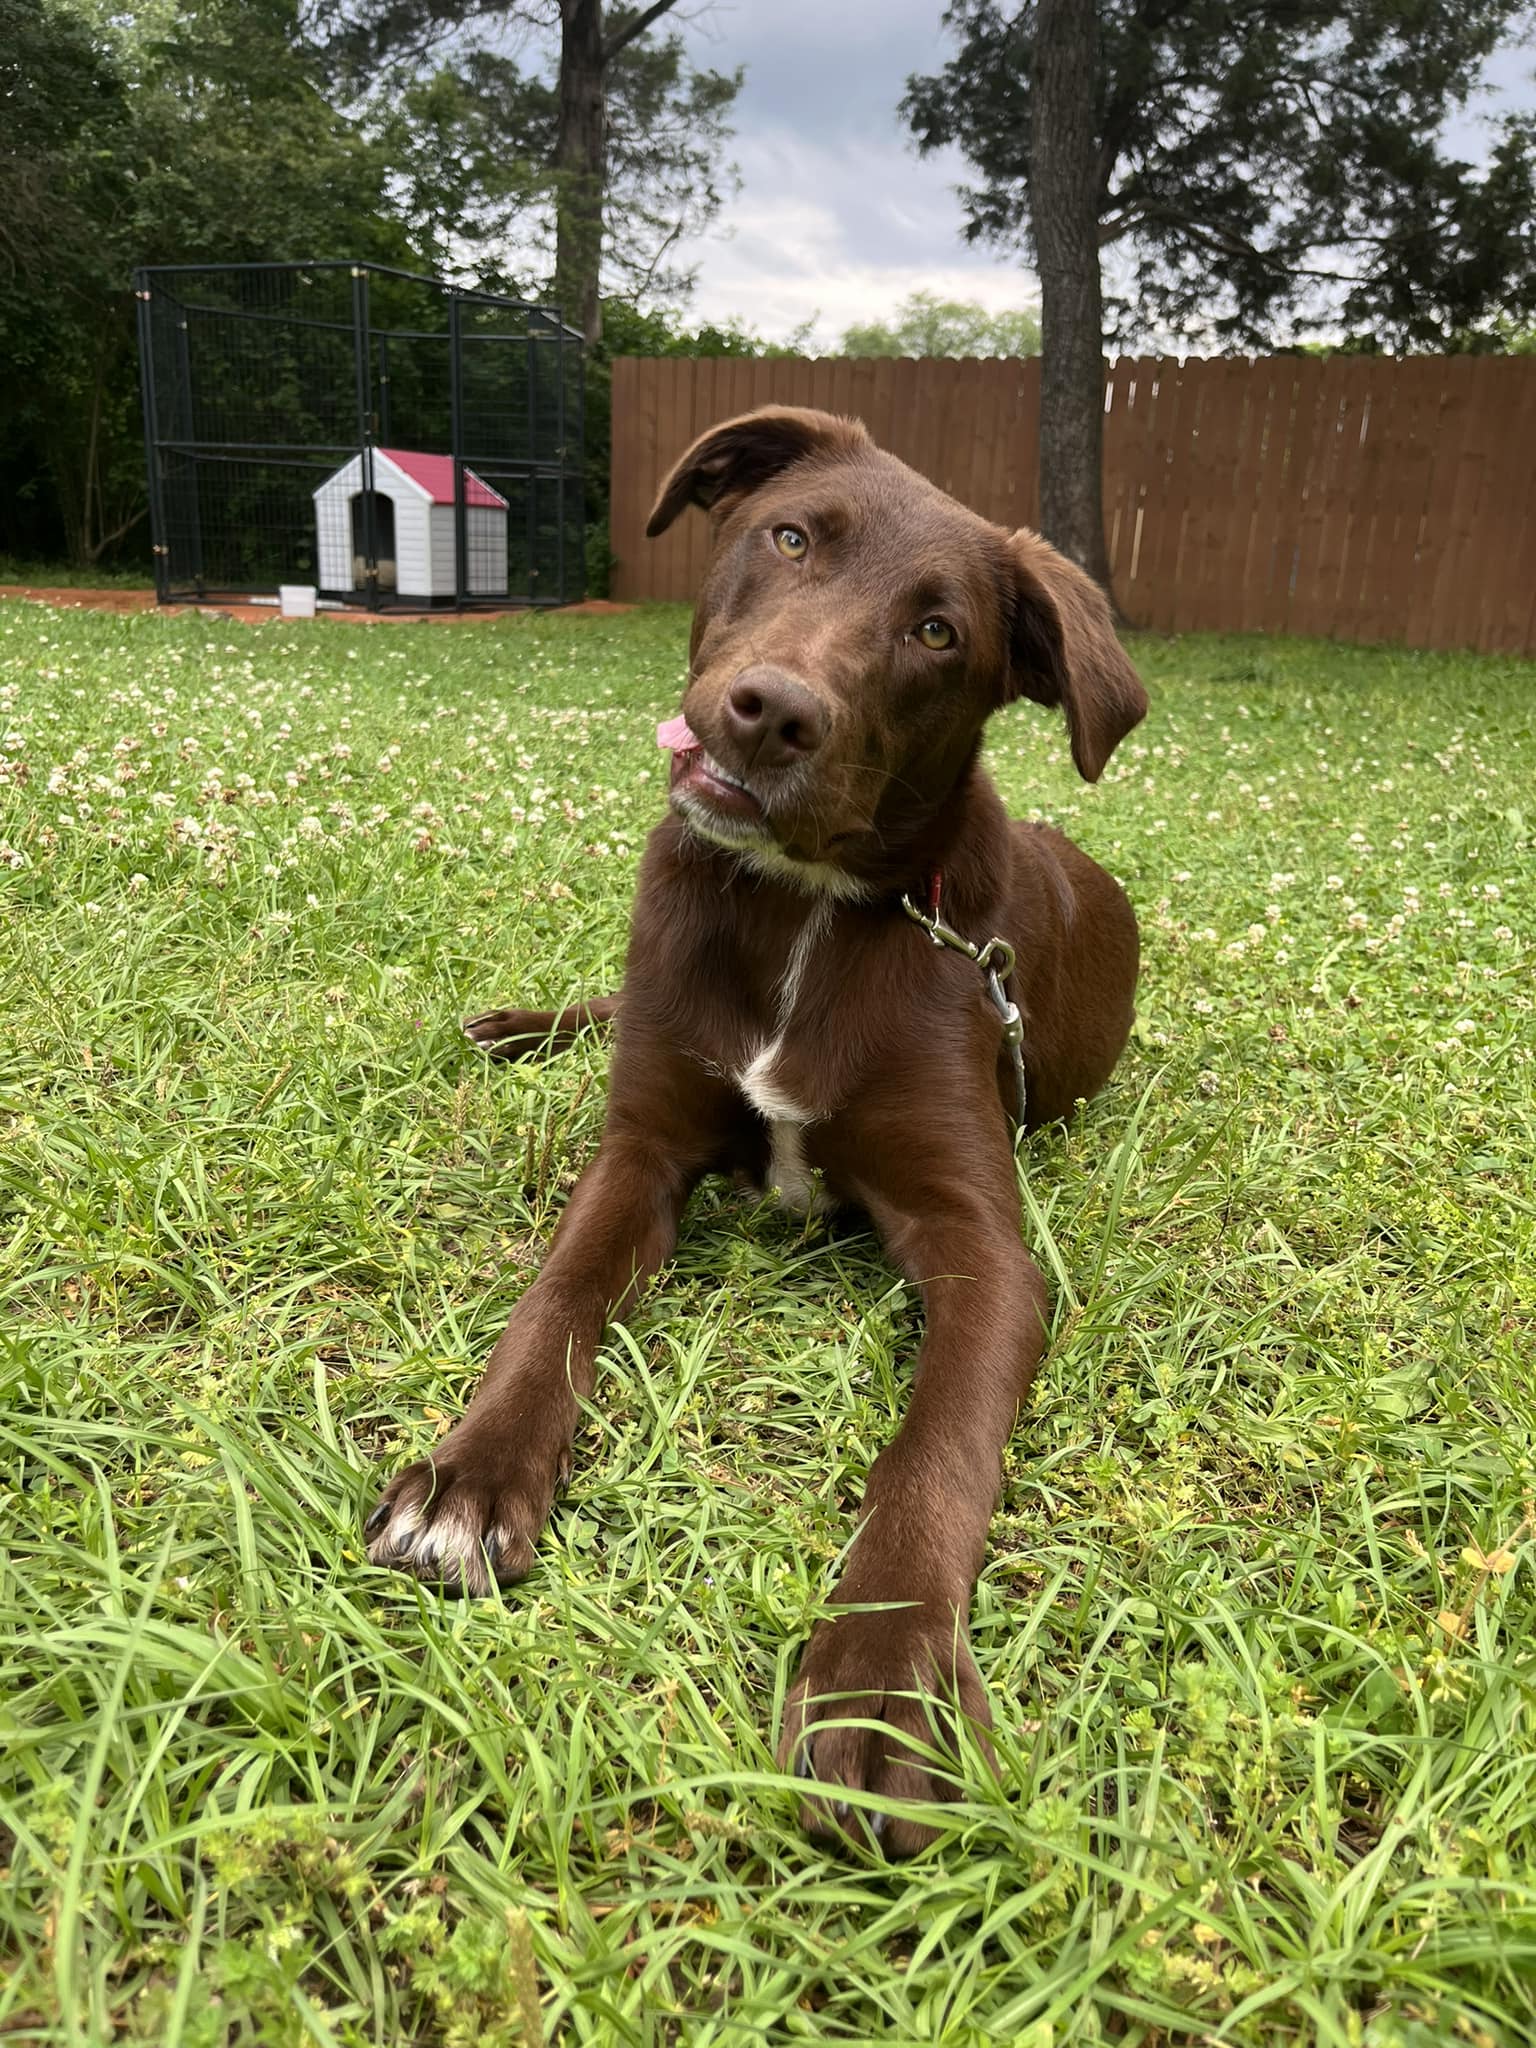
(388, 439)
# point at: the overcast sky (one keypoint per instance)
(838, 218)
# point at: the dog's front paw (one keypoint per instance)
(467, 1517)
(876, 1707)
(510, 1034)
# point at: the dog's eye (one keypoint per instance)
(789, 540)
(936, 634)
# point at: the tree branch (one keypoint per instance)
(675, 234)
(635, 29)
(117, 533)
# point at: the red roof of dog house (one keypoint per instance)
(435, 475)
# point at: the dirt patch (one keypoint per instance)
(269, 615)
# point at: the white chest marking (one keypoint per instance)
(790, 1174)
(789, 1171)
(806, 940)
(766, 1097)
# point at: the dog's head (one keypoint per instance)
(855, 630)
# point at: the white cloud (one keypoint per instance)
(838, 233)
(838, 219)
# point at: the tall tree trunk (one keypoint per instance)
(581, 153)
(1064, 205)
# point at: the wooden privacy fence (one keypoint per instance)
(1359, 497)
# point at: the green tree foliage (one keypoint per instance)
(1264, 165)
(1510, 338)
(66, 118)
(187, 133)
(63, 113)
(510, 169)
(926, 325)
(249, 130)
(464, 196)
(472, 146)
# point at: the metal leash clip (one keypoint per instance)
(995, 959)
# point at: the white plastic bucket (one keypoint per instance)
(297, 600)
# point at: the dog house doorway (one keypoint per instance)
(373, 542)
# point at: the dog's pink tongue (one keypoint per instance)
(675, 736)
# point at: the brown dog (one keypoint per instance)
(781, 1014)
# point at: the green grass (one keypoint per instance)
(1265, 1720)
(72, 575)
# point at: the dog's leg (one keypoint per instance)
(950, 1219)
(472, 1511)
(513, 1034)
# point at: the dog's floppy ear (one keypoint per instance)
(737, 457)
(1064, 651)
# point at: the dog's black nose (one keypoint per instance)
(772, 718)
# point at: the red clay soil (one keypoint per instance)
(269, 615)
